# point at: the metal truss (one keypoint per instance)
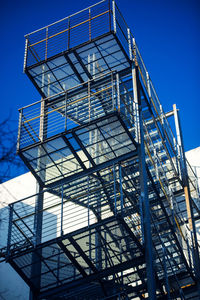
(110, 220)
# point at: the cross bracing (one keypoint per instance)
(114, 216)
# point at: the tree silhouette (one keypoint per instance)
(10, 164)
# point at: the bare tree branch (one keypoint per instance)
(10, 163)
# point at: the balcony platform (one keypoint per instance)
(72, 263)
(82, 150)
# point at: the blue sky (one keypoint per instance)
(167, 33)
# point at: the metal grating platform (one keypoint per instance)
(110, 220)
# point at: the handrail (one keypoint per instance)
(72, 15)
(65, 30)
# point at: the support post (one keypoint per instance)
(135, 105)
(62, 203)
(114, 182)
(25, 55)
(114, 16)
(188, 198)
(66, 111)
(38, 221)
(19, 129)
(46, 48)
(121, 189)
(149, 258)
(118, 92)
(129, 44)
(68, 42)
(90, 37)
(9, 228)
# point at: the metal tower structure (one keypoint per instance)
(114, 214)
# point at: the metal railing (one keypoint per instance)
(67, 33)
(47, 118)
(70, 207)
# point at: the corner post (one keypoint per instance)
(9, 228)
(25, 55)
(114, 16)
(188, 198)
(19, 129)
(145, 207)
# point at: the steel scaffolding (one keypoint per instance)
(114, 215)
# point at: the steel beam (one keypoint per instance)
(95, 276)
(149, 257)
(72, 259)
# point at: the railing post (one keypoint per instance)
(65, 111)
(112, 84)
(121, 189)
(88, 200)
(25, 55)
(46, 43)
(90, 33)
(135, 106)
(9, 228)
(148, 85)
(61, 221)
(129, 44)
(115, 197)
(19, 129)
(109, 8)
(89, 103)
(68, 44)
(135, 52)
(114, 16)
(118, 92)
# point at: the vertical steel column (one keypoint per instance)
(118, 92)
(135, 105)
(38, 220)
(46, 48)
(90, 238)
(93, 66)
(61, 217)
(9, 228)
(188, 199)
(114, 16)
(113, 96)
(88, 196)
(114, 182)
(68, 42)
(151, 285)
(121, 189)
(65, 110)
(25, 55)
(148, 85)
(90, 36)
(135, 96)
(19, 129)
(41, 163)
(129, 44)
(98, 243)
(109, 8)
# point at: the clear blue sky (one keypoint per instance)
(167, 33)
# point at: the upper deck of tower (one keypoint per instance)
(77, 48)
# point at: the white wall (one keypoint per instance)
(193, 156)
(11, 284)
